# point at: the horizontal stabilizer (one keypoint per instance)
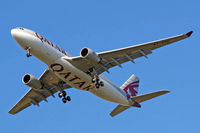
(137, 100)
(118, 110)
(148, 96)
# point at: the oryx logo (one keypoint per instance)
(132, 89)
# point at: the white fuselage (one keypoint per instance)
(59, 62)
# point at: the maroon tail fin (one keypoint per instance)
(131, 86)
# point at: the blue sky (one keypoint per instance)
(105, 25)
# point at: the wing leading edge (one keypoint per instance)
(117, 57)
(34, 96)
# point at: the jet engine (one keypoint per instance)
(90, 55)
(31, 81)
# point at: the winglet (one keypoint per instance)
(189, 33)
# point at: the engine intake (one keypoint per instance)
(90, 55)
(31, 81)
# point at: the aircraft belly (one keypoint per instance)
(40, 50)
(71, 75)
(80, 80)
(45, 53)
(110, 93)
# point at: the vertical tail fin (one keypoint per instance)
(131, 86)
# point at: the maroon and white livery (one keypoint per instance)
(82, 72)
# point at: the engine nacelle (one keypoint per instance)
(31, 81)
(90, 55)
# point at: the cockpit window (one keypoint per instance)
(26, 30)
(21, 28)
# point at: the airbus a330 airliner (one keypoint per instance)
(83, 72)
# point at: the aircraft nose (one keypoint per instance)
(14, 32)
(22, 37)
(17, 35)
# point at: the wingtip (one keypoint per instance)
(12, 113)
(189, 33)
(111, 115)
(166, 91)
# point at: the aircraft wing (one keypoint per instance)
(117, 57)
(35, 96)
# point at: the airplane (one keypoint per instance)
(83, 72)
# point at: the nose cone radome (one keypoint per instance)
(18, 35)
(14, 32)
